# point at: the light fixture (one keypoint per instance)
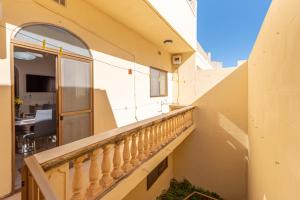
(27, 55)
(167, 42)
(37, 54)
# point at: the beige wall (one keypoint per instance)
(5, 117)
(162, 183)
(185, 80)
(194, 82)
(215, 155)
(274, 102)
(112, 44)
(103, 113)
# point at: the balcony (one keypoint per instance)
(252, 107)
(133, 151)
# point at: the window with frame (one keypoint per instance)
(158, 83)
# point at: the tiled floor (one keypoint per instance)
(42, 145)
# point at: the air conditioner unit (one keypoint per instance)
(176, 60)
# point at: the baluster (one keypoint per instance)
(154, 132)
(169, 136)
(178, 124)
(134, 161)
(159, 135)
(117, 172)
(94, 187)
(172, 127)
(165, 130)
(163, 133)
(126, 155)
(77, 185)
(175, 126)
(183, 121)
(188, 118)
(191, 117)
(152, 139)
(141, 155)
(106, 179)
(146, 142)
(168, 130)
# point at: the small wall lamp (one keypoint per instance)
(168, 41)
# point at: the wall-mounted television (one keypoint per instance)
(38, 83)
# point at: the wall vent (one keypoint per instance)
(61, 2)
(156, 172)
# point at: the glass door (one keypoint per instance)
(75, 99)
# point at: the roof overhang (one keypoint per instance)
(140, 16)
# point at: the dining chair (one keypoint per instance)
(44, 127)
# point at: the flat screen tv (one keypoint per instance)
(37, 83)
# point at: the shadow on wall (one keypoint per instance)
(2, 39)
(104, 119)
(215, 155)
(5, 147)
(179, 77)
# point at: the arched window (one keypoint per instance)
(55, 38)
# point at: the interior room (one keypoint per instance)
(35, 104)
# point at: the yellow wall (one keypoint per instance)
(111, 43)
(103, 113)
(274, 102)
(140, 191)
(195, 82)
(215, 155)
(5, 118)
(184, 79)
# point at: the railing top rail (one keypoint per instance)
(62, 154)
(40, 178)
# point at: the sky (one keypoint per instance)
(228, 28)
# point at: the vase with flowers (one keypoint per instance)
(18, 103)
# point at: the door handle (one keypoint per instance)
(61, 117)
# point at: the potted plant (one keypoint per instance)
(18, 103)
